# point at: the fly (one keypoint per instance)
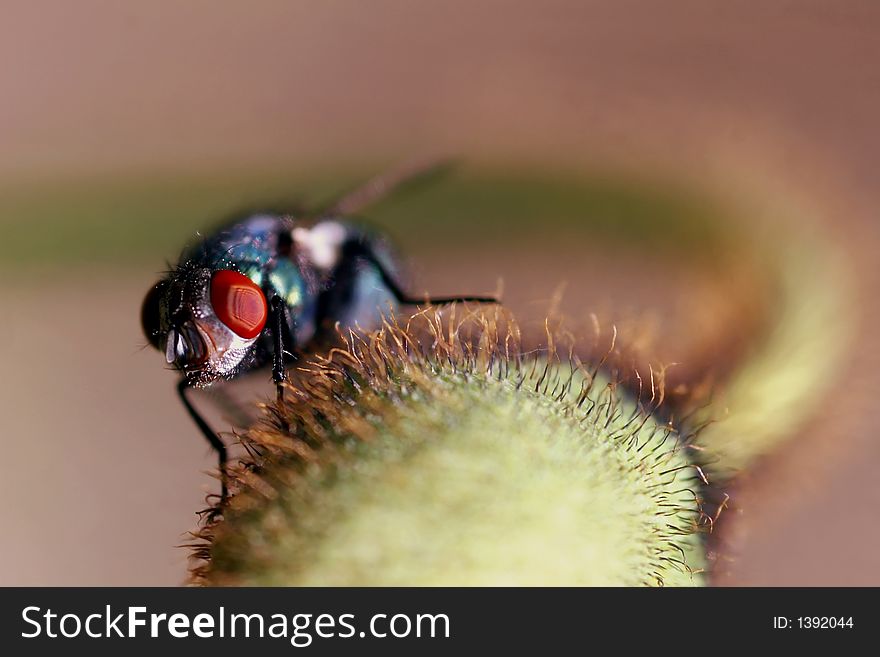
(264, 287)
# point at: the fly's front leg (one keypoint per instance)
(210, 435)
(278, 328)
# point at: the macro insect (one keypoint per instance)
(268, 286)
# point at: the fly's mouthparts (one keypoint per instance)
(184, 346)
(171, 346)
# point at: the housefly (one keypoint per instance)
(260, 289)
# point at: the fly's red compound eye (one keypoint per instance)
(239, 303)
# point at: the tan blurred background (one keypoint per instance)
(103, 472)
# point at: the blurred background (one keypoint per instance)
(661, 166)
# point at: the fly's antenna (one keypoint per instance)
(379, 187)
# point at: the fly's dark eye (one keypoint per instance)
(150, 320)
(239, 303)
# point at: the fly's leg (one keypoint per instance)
(278, 328)
(210, 435)
(358, 248)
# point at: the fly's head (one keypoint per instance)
(205, 321)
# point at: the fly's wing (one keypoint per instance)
(259, 228)
(374, 190)
(375, 263)
(375, 248)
